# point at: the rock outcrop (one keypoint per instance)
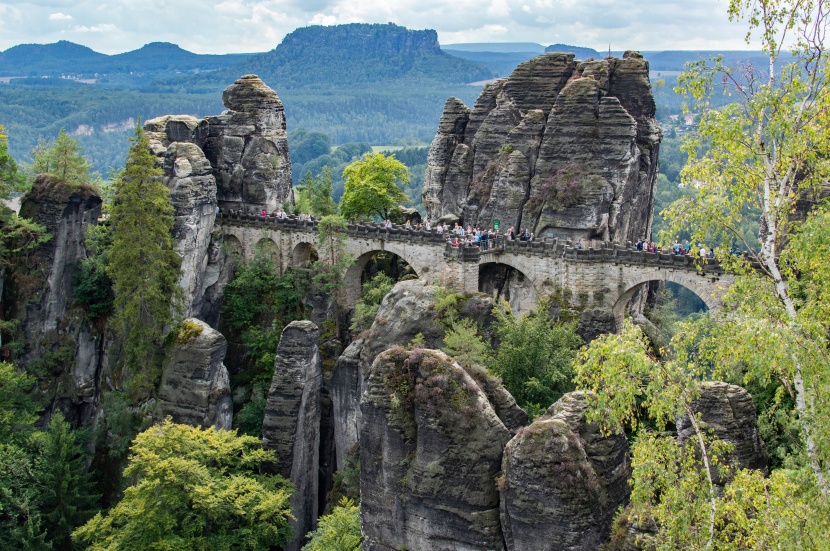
(237, 160)
(39, 295)
(292, 421)
(407, 311)
(247, 145)
(430, 449)
(195, 388)
(563, 480)
(729, 412)
(189, 176)
(565, 148)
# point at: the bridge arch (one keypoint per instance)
(267, 246)
(303, 254)
(504, 280)
(233, 247)
(706, 288)
(352, 277)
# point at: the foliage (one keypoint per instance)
(338, 531)
(331, 267)
(91, 283)
(464, 343)
(768, 153)
(258, 303)
(373, 186)
(62, 159)
(92, 288)
(371, 296)
(316, 192)
(142, 263)
(534, 357)
(563, 188)
(17, 409)
(194, 489)
(10, 178)
(67, 497)
(250, 417)
(20, 518)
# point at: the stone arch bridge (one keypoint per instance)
(604, 275)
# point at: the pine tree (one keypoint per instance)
(62, 159)
(143, 265)
(67, 497)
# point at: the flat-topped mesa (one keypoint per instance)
(562, 147)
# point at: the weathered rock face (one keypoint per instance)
(195, 388)
(248, 147)
(563, 481)
(41, 298)
(292, 421)
(189, 176)
(729, 412)
(407, 311)
(562, 147)
(238, 159)
(430, 448)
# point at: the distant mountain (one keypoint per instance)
(501, 63)
(578, 51)
(351, 54)
(67, 58)
(500, 47)
(673, 60)
(37, 59)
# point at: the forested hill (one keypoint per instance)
(67, 58)
(342, 55)
(379, 84)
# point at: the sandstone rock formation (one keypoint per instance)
(42, 298)
(430, 449)
(195, 388)
(238, 159)
(246, 146)
(565, 148)
(729, 412)
(292, 421)
(189, 176)
(562, 481)
(407, 311)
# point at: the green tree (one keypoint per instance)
(766, 153)
(315, 191)
(373, 186)
(338, 531)
(330, 269)
(63, 159)
(17, 409)
(10, 178)
(534, 357)
(194, 489)
(367, 307)
(67, 497)
(20, 518)
(142, 263)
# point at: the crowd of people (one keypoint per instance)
(677, 248)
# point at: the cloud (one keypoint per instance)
(102, 28)
(224, 26)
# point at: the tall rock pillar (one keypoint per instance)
(292, 421)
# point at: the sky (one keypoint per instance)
(237, 26)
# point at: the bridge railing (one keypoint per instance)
(456, 248)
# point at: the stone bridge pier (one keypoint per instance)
(603, 277)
